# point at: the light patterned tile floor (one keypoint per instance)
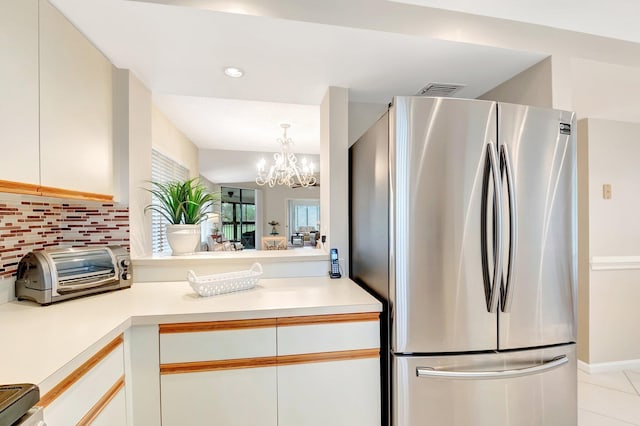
(609, 399)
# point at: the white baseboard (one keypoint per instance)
(608, 367)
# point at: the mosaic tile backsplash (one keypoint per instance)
(32, 224)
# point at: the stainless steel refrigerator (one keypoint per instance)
(463, 222)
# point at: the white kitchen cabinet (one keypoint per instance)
(294, 371)
(76, 146)
(114, 413)
(230, 397)
(19, 161)
(337, 393)
(329, 370)
(95, 389)
(219, 373)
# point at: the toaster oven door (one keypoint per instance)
(83, 269)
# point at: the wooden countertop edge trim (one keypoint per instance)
(194, 327)
(328, 319)
(269, 361)
(49, 191)
(225, 364)
(79, 372)
(102, 403)
(328, 356)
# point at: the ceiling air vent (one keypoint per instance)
(440, 89)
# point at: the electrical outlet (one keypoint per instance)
(606, 191)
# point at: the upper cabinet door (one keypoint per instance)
(19, 91)
(76, 136)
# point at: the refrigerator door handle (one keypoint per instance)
(507, 288)
(489, 375)
(492, 286)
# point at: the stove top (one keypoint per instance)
(16, 400)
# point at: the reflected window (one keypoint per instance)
(304, 221)
(238, 209)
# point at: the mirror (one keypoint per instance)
(248, 211)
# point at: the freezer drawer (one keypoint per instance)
(523, 388)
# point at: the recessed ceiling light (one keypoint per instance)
(233, 72)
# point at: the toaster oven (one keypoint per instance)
(52, 275)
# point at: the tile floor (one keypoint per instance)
(609, 399)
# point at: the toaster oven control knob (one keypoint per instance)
(125, 262)
(126, 276)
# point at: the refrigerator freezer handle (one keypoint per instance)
(497, 228)
(505, 160)
(490, 375)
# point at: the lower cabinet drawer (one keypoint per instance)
(328, 333)
(234, 397)
(192, 342)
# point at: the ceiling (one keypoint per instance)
(179, 53)
(612, 18)
(292, 50)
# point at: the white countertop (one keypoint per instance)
(37, 340)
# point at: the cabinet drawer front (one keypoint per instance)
(340, 393)
(300, 339)
(229, 398)
(217, 345)
(71, 406)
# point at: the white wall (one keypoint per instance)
(172, 142)
(607, 91)
(609, 314)
(531, 87)
(334, 171)
(362, 116)
(132, 129)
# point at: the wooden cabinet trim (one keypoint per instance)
(225, 364)
(328, 319)
(18, 188)
(269, 361)
(48, 191)
(328, 356)
(79, 372)
(194, 327)
(102, 403)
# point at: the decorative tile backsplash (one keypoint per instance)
(33, 223)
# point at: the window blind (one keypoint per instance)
(163, 170)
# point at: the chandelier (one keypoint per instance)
(285, 170)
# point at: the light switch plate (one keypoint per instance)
(606, 191)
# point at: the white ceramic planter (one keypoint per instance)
(183, 239)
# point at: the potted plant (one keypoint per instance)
(184, 205)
